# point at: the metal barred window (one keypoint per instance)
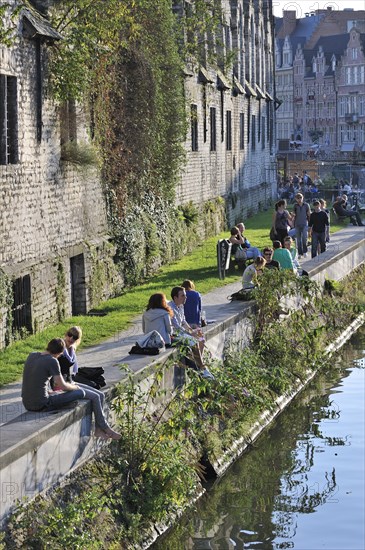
(8, 120)
(21, 310)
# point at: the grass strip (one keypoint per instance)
(199, 266)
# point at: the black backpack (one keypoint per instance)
(90, 376)
(137, 350)
(243, 295)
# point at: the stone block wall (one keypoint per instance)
(51, 209)
(244, 166)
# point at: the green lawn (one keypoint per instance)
(199, 266)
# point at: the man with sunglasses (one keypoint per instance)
(270, 263)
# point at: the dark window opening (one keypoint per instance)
(205, 127)
(213, 129)
(222, 115)
(249, 123)
(78, 285)
(21, 310)
(8, 120)
(229, 131)
(242, 131)
(68, 122)
(194, 127)
(253, 133)
(263, 132)
(39, 89)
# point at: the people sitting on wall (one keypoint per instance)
(291, 191)
(347, 187)
(184, 334)
(193, 304)
(250, 277)
(295, 179)
(318, 222)
(37, 395)
(158, 317)
(288, 244)
(313, 190)
(270, 263)
(251, 251)
(282, 256)
(341, 211)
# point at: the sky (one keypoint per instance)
(305, 6)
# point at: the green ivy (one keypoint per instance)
(142, 245)
(103, 273)
(6, 304)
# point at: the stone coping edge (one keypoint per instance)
(56, 422)
(265, 419)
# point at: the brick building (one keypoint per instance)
(53, 228)
(231, 142)
(55, 250)
(320, 78)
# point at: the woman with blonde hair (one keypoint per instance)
(72, 339)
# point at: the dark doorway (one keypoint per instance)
(22, 313)
(78, 285)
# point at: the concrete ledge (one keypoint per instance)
(39, 449)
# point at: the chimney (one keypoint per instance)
(289, 22)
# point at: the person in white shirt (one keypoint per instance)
(182, 331)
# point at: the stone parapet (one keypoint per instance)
(38, 450)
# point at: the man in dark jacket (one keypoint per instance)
(318, 222)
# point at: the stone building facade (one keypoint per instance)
(55, 253)
(53, 228)
(230, 143)
(319, 63)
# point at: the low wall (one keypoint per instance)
(37, 450)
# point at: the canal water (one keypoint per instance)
(301, 486)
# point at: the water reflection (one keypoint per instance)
(302, 484)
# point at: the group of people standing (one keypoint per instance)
(303, 224)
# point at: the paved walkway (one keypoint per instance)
(114, 351)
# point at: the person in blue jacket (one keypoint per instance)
(193, 304)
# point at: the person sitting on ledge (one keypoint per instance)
(158, 317)
(338, 207)
(193, 304)
(282, 256)
(252, 273)
(251, 251)
(288, 242)
(39, 368)
(270, 263)
(184, 334)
